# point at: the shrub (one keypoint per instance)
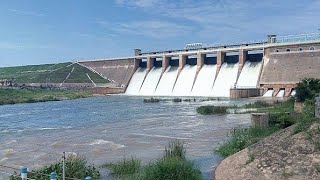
(151, 100)
(173, 165)
(175, 149)
(307, 117)
(177, 100)
(257, 104)
(241, 138)
(124, 167)
(75, 168)
(171, 168)
(307, 89)
(207, 110)
(283, 119)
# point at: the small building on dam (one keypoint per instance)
(267, 68)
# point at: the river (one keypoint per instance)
(109, 128)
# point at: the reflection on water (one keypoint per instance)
(110, 128)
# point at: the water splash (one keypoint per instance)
(226, 79)
(204, 81)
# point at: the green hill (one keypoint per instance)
(51, 73)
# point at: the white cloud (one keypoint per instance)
(233, 20)
(138, 3)
(154, 29)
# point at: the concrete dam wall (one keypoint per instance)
(270, 68)
(119, 72)
(290, 67)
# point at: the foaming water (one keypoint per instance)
(249, 75)
(112, 127)
(226, 79)
(136, 81)
(269, 93)
(151, 82)
(281, 93)
(167, 81)
(185, 81)
(204, 81)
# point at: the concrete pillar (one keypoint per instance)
(150, 63)
(200, 59)
(275, 91)
(242, 60)
(242, 56)
(182, 61)
(165, 62)
(137, 63)
(221, 56)
(287, 92)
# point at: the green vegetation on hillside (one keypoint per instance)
(14, 96)
(51, 73)
(282, 115)
(240, 138)
(173, 165)
(75, 167)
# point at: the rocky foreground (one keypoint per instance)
(284, 155)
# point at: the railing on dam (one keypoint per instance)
(296, 38)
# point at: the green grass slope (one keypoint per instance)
(51, 73)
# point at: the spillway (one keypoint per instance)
(281, 93)
(269, 93)
(226, 79)
(167, 81)
(151, 81)
(249, 75)
(185, 81)
(136, 81)
(204, 81)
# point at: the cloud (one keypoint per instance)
(149, 28)
(137, 3)
(26, 13)
(233, 20)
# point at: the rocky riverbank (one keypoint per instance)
(283, 155)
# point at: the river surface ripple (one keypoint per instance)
(108, 128)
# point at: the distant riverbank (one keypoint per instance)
(15, 96)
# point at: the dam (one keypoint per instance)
(270, 68)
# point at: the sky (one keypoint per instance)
(42, 32)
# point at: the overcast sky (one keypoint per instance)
(38, 31)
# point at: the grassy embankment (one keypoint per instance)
(173, 165)
(50, 73)
(75, 167)
(282, 115)
(14, 96)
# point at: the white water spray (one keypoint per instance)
(136, 81)
(185, 81)
(204, 81)
(167, 81)
(151, 81)
(226, 79)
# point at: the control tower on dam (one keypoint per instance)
(270, 68)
